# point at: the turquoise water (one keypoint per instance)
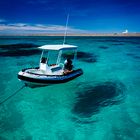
(102, 104)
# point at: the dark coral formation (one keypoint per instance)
(82, 56)
(132, 55)
(103, 47)
(18, 50)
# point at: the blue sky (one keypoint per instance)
(86, 16)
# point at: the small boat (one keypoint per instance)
(49, 73)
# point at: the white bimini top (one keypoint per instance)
(58, 47)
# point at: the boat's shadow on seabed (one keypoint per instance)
(91, 99)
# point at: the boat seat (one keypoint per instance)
(56, 68)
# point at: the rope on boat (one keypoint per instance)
(9, 97)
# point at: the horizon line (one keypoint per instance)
(75, 34)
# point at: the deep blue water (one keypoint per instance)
(102, 104)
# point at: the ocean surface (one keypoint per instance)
(102, 104)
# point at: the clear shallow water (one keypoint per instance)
(102, 104)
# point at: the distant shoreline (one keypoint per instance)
(84, 35)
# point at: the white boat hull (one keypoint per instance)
(34, 79)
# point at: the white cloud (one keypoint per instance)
(23, 27)
(18, 25)
(2, 20)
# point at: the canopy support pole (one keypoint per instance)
(75, 56)
(59, 57)
(41, 55)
